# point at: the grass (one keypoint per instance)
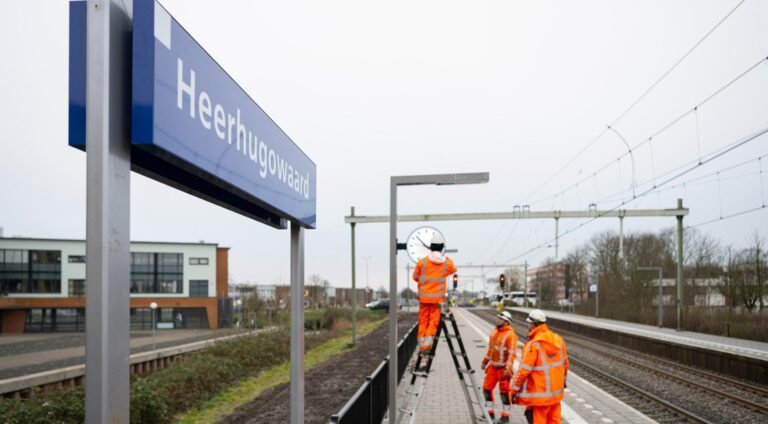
(226, 402)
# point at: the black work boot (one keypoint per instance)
(493, 416)
(504, 419)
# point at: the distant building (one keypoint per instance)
(42, 285)
(321, 296)
(558, 282)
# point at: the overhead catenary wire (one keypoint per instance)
(638, 100)
(618, 196)
(715, 155)
(723, 218)
(660, 131)
(633, 105)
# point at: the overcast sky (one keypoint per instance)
(371, 90)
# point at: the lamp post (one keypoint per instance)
(439, 179)
(366, 270)
(661, 310)
(153, 307)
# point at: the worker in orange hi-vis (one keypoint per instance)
(431, 274)
(539, 383)
(497, 363)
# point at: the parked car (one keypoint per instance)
(378, 304)
(465, 304)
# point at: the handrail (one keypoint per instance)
(363, 407)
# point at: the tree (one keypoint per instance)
(407, 294)
(729, 286)
(576, 272)
(753, 272)
(382, 293)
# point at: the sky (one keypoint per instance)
(523, 90)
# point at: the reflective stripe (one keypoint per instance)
(547, 376)
(424, 279)
(498, 364)
(545, 368)
(525, 394)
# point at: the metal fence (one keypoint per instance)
(369, 404)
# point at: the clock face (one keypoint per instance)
(417, 244)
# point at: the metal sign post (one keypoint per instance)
(297, 324)
(107, 120)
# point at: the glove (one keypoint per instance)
(483, 364)
(506, 374)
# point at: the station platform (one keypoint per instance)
(740, 347)
(443, 401)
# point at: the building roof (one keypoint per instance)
(132, 241)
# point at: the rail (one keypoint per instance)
(726, 363)
(369, 404)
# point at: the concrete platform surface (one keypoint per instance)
(443, 401)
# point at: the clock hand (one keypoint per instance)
(425, 244)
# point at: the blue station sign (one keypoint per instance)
(194, 128)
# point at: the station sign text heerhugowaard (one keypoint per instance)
(193, 127)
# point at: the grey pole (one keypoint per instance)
(661, 297)
(297, 324)
(153, 308)
(354, 290)
(557, 237)
(597, 296)
(658, 269)
(525, 284)
(679, 267)
(621, 237)
(392, 386)
(108, 165)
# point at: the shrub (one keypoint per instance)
(191, 380)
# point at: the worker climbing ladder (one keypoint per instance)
(420, 374)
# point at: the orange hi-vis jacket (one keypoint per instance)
(430, 274)
(540, 380)
(502, 348)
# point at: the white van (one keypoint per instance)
(517, 298)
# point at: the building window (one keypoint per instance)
(30, 271)
(76, 288)
(198, 288)
(76, 259)
(198, 261)
(157, 272)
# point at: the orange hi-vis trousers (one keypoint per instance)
(429, 319)
(495, 376)
(549, 414)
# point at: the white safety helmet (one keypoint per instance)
(506, 316)
(437, 239)
(536, 316)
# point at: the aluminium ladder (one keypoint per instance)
(420, 373)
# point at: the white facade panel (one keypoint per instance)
(76, 271)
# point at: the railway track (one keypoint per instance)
(689, 395)
(637, 397)
(749, 396)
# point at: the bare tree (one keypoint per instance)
(729, 286)
(407, 294)
(576, 271)
(753, 273)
